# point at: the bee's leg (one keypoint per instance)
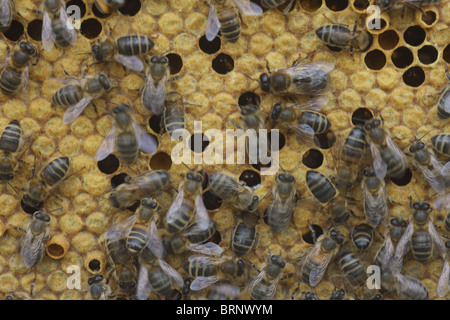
(33, 283)
(287, 276)
(301, 61)
(173, 79)
(95, 107)
(18, 228)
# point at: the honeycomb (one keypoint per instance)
(400, 75)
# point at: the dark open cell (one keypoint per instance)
(15, 31)
(251, 178)
(427, 54)
(28, 209)
(198, 142)
(375, 59)
(216, 238)
(325, 140)
(361, 4)
(414, 35)
(313, 233)
(175, 62)
(249, 98)
(258, 166)
(209, 47)
(312, 158)
(429, 17)
(402, 57)
(414, 76)
(118, 179)
(98, 13)
(108, 165)
(211, 201)
(34, 29)
(446, 54)
(336, 5)
(55, 250)
(223, 63)
(80, 4)
(388, 40)
(91, 28)
(161, 161)
(94, 265)
(403, 181)
(310, 5)
(155, 123)
(360, 116)
(278, 145)
(131, 8)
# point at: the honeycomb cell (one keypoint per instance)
(312, 158)
(427, 54)
(97, 222)
(95, 184)
(161, 160)
(80, 4)
(131, 8)
(310, 5)
(251, 178)
(427, 18)
(361, 115)
(95, 262)
(8, 283)
(34, 29)
(71, 223)
(175, 62)
(209, 47)
(360, 5)
(91, 28)
(365, 80)
(414, 36)
(57, 246)
(56, 281)
(108, 165)
(336, 5)
(402, 57)
(414, 76)
(15, 31)
(14, 109)
(388, 40)
(83, 241)
(8, 204)
(170, 24)
(312, 233)
(446, 54)
(84, 203)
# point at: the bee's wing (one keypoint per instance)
(31, 248)
(107, 146)
(48, 37)
(379, 166)
(74, 111)
(5, 9)
(272, 289)
(445, 170)
(442, 202)
(147, 142)
(153, 97)
(249, 8)
(212, 24)
(303, 67)
(201, 214)
(374, 202)
(121, 229)
(314, 104)
(143, 288)
(254, 281)
(397, 152)
(171, 272)
(389, 250)
(437, 240)
(322, 262)
(442, 287)
(209, 248)
(155, 243)
(305, 133)
(403, 244)
(433, 176)
(130, 62)
(283, 210)
(68, 24)
(206, 260)
(25, 82)
(171, 214)
(201, 282)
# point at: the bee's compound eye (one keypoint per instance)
(265, 82)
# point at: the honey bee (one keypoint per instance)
(10, 143)
(244, 236)
(208, 270)
(268, 4)
(362, 236)
(324, 191)
(385, 253)
(374, 198)
(387, 156)
(420, 235)
(282, 206)
(109, 6)
(300, 78)
(154, 88)
(228, 189)
(305, 125)
(194, 238)
(124, 50)
(56, 26)
(341, 36)
(225, 16)
(436, 174)
(441, 143)
(315, 261)
(174, 113)
(99, 288)
(187, 203)
(443, 107)
(40, 187)
(353, 268)
(126, 138)
(443, 283)
(146, 184)
(224, 291)
(77, 95)
(15, 69)
(7, 9)
(264, 285)
(387, 5)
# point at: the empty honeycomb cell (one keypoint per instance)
(312, 158)
(97, 222)
(414, 76)
(28, 209)
(336, 5)
(375, 59)
(446, 54)
(131, 8)
(175, 62)
(95, 262)
(198, 142)
(404, 180)
(414, 36)
(8, 204)
(388, 39)
(377, 24)
(278, 145)
(34, 29)
(15, 31)
(223, 63)
(118, 179)
(57, 246)
(108, 165)
(95, 184)
(361, 115)
(209, 47)
(91, 28)
(427, 54)
(325, 140)
(360, 6)
(161, 160)
(155, 124)
(211, 201)
(8, 283)
(78, 3)
(402, 57)
(310, 5)
(428, 18)
(251, 178)
(312, 233)
(248, 98)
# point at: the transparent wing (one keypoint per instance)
(212, 24)
(48, 38)
(155, 243)
(397, 152)
(437, 240)
(130, 62)
(305, 133)
(74, 111)
(143, 288)
(403, 244)
(442, 202)
(442, 287)
(433, 176)
(68, 24)
(200, 283)
(153, 97)
(379, 166)
(5, 9)
(201, 214)
(171, 214)
(107, 146)
(314, 104)
(445, 170)
(281, 211)
(121, 229)
(31, 248)
(321, 264)
(272, 289)
(249, 287)
(25, 82)
(374, 204)
(147, 142)
(209, 248)
(299, 68)
(249, 8)
(171, 272)
(206, 260)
